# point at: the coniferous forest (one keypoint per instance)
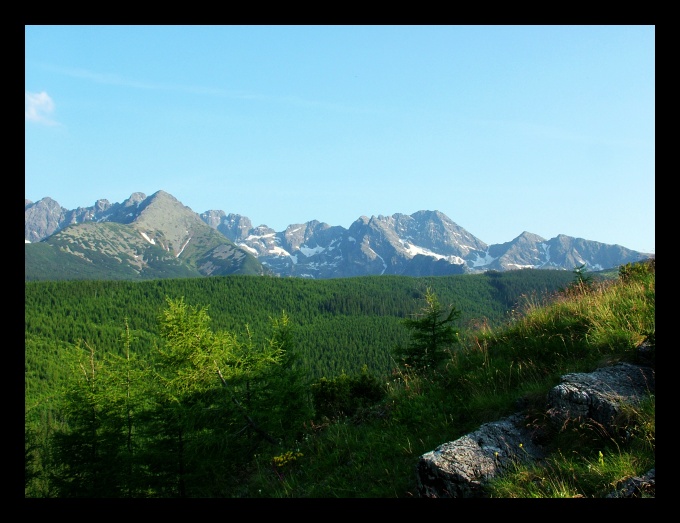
(169, 388)
(340, 324)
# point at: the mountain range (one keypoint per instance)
(159, 237)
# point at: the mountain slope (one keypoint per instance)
(143, 238)
(424, 243)
(158, 236)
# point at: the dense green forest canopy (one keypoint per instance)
(340, 324)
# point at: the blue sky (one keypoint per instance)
(505, 129)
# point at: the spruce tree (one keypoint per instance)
(432, 335)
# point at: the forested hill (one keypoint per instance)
(340, 325)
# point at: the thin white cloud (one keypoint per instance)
(39, 107)
(114, 79)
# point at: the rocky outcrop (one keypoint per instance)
(601, 394)
(460, 469)
(637, 487)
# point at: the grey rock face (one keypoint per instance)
(600, 395)
(43, 218)
(460, 469)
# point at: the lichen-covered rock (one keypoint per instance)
(460, 468)
(600, 395)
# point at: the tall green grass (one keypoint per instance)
(493, 372)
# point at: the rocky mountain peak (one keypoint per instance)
(134, 200)
(156, 236)
(423, 243)
(101, 206)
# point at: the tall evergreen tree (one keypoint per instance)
(184, 378)
(207, 421)
(432, 335)
(86, 450)
(285, 385)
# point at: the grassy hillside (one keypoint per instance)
(364, 443)
(373, 452)
(46, 262)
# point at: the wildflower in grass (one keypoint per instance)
(286, 458)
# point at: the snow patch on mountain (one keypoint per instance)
(481, 261)
(311, 251)
(150, 240)
(248, 247)
(518, 266)
(546, 251)
(183, 247)
(260, 236)
(413, 250)
(278, 251)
